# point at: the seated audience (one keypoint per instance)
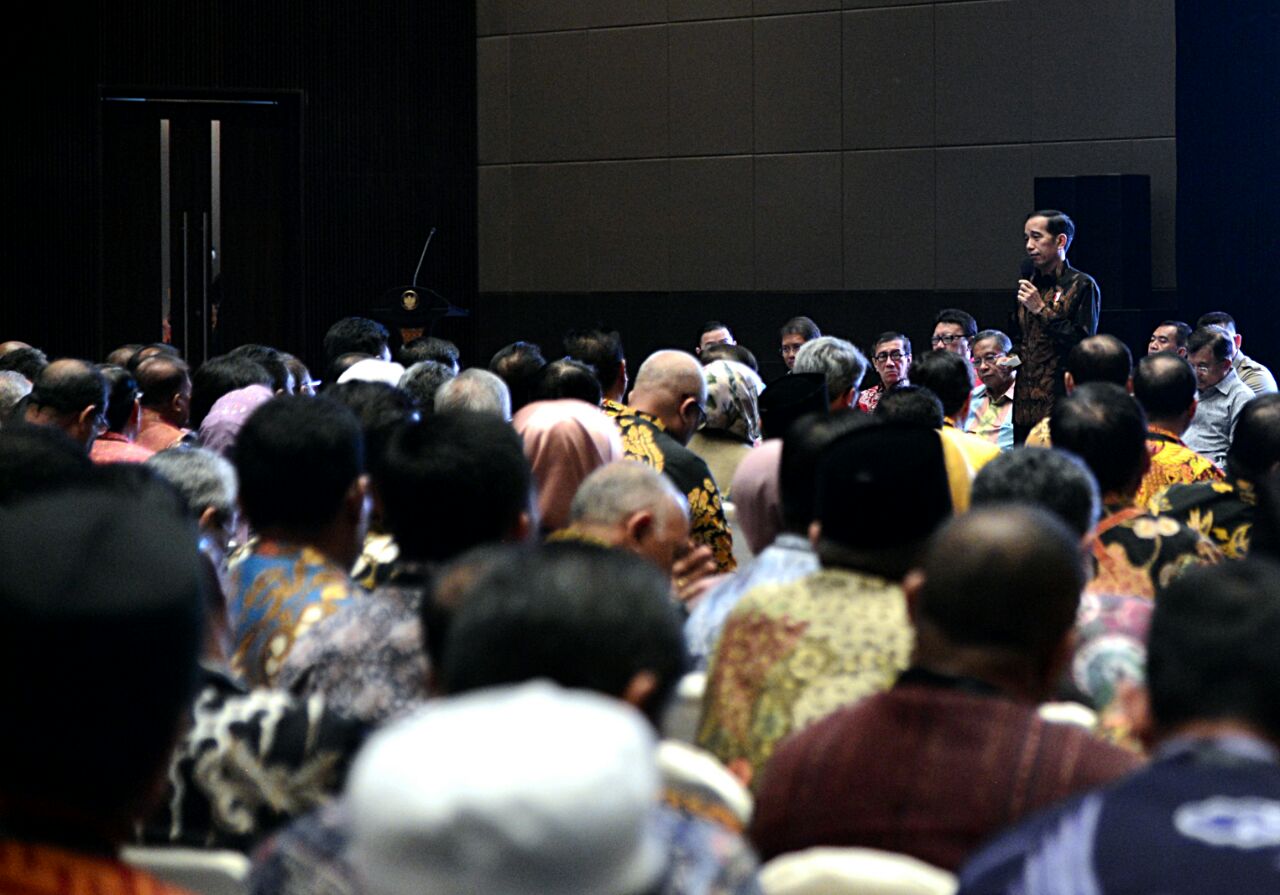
(1199, 817)
(124, 413)
(954, 751)
(601, 349)
(222, 424)
(355, 335)
(790, 654)
(373, 369)
(714, 332)
(518, 365)
(430, 348)
(70, 395)
(947, 375)
(1100, 358)
(212, 379)
(303, 384)
(891, 355)
(302, 486)
(475, 390)
(841, 364)
(446, 485)
(794, 333)
(1170, 336)
(24, 359)
(423, 380)
(39, 459)
(167, 391)
(79, 769)
(737, 353)
(1165, 385)
(273, 361)
(1221, 396)
(567, 378)
(954, 330)
(1224, 511)
(564, 442)
(667, 404)
(1137, 553)
(1251, 373)
(732, 427)
(14, 388)
(991, 402)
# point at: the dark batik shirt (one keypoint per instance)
(1072, 301)
(644, 439)
(1138, 554)
(1221, 511)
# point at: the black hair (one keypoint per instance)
(800, 326)
(146, 352)
(68, 387)
(567, 378)
(451, 482)
(30, 362)
(1182, 329)
(358, 335)
(122, 392)
(946, 375)
(38, 459)
(1101, 358)
(1106, 428)
(1213, 338)
(582, 616)
(271, 360)
(890, 336)
(1164, 384)
(1255, 441)
(1217, 318)
(296, 458)
(710, 326)
(380, 408)
(599, 348)
(911, 404)
(160, 378)
(962, 319)
(423, 380)
(1057, 223)
(218, 376)
(802, 448)
(518, 365)
(724, 351)
(1051, 478)
(429, 348)
(1213, 652)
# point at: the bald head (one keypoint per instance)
(670, 386)
(70, 395)
(165, 383)
(13, 345)
(629, 505)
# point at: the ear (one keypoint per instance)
(912, 584)
(640, 689)
(1238, 339)
(845, 399)
(206, 518)
(1069, 381)
(1061, 242)
(638, 527)
(1128, 385)
(356, 502)
(815, 533)
(522, 530)
(175, 403)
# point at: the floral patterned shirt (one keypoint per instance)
(1220, 510)
(1138, 553)
(1172, 463)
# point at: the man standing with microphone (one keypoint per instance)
(1057, 308)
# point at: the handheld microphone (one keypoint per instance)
(1027, 270)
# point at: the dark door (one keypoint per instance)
(201, 221)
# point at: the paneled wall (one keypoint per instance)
(774, 146)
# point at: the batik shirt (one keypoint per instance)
(367, 659)
(275, 593)
(790, 654)
(30, 869)
(644, 439)
(1072, 301)
(1222, 511)
(1139, 554)
(1172, 463)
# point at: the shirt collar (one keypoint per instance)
(1223, 386)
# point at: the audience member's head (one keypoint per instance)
(736, 353)
(422, 380)
(802, 448)
(842, 364)
(669, 386)
(107, 579)
(1099, 359)
(213, 379)
(601, 349)
(70, 395)
(222, 424)
(581, 616)
(626, 504)
(1170, 335)
(790, 397)
(518, 365)
(356, 335)
(452, 482)
(475, 390)
(303, 384)
(167, 388)
(273, 362)
(1049, 478)
(121, 356)
(1214, 649)
(794, 333)
(13, 388)
(442, 351)
(714, 332)
(123, 409)
(946, 374)
(911, 405)
(891, 355)
(1165, 386)
(567, 378)
(146, 352)
(996, 596)
(1255, 445)
(372, 369)
(207, 483)
(564, 441)
(380, 408)
(1210, 351)
(953, 330)
(39, 459)
(28, 361)
(733, 409)
(300, 462)
(1223, 321)
(1101, 424)
(991, 350)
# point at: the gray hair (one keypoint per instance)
(616, 490)
(839, 361)
(1050, 478)
(477, 390)
(13, 388)
(423, 380)
(1001, 339)
(203, 478)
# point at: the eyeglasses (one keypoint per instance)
(1202, 368)
(788, 350)
(949, 339)
(987, 360)
(884, 356)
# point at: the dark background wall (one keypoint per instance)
(868, 162)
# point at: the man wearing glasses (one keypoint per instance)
(795, 332)
(70, 395)
(991, 404)
(1221, 394)
(891, 356)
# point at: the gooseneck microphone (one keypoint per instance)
(423, 256)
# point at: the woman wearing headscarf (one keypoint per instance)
(732, 427)
(564, 440)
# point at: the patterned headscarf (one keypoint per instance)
(732, 393)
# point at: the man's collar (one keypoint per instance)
(1222, 385)
(1163, 434)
